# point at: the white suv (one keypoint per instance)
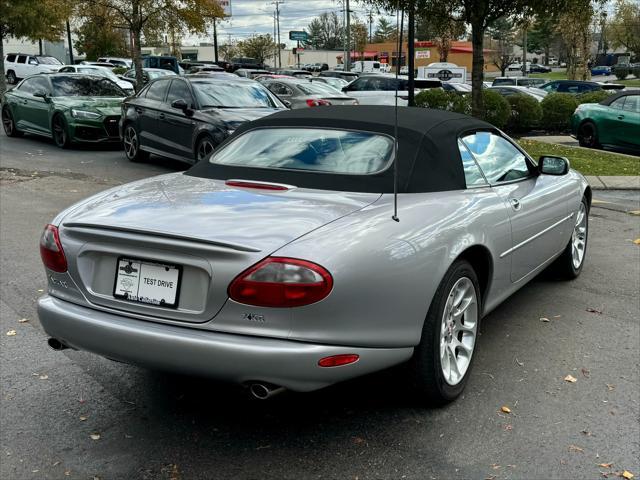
(117, 61)
(21, 65)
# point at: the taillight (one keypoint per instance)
(51, 250)
(338, 360)
(317, 103)
(281, 282)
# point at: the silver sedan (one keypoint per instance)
(287, 261)
(304, 94)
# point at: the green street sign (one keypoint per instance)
(298, 35)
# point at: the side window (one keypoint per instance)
(618, 104)
(34, 84)
(157, 90)
(362, 84)
(11, 58)
(499, 160)
(632, 104)
(22, 59)
(472, 173)
(279, 89)
(33, 61)
(179, 90)
(66, 69)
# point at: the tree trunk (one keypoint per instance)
(3, 80)
(547, 51)
(477, 71)
(136, 33)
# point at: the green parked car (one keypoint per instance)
(67, 107)
(615, 121)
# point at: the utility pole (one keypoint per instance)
(277, 4)
(215, 40)
(275, 54)
(411, 54)
(347, 65)
(370, 14)
(524, 51)
(70, 44)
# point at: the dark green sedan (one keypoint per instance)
(67, 107)
(615, 121)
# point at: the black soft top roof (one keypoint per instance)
(428, 155)
(611, 98)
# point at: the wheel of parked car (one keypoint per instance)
(131, 145)
(442, 361)
(204, 147)
(60, 131)
(11, 78)
(569, 264)
(8, 123)
(588, 135)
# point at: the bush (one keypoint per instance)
(595, 96)
(557, 109)
(621, 72)
(444, 100)
(526, 113)
(496, 108)
(635, 71)
(119, 70)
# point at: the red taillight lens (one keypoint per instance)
(259, 185)
(51, 250)
(281, 282)
(337, 360)
(317, 103)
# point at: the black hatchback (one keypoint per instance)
(186, 118)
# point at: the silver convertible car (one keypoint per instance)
(280, 262)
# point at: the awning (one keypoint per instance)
(357, 55)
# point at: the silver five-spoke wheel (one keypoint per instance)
(579, 237)
(130, 142)
(458, 331)
(205, 147)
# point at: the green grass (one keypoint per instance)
(630, 82)
(561, 75)
(586, 161)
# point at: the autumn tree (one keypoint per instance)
(32, 19)
(325, 32)
(259, 47)
(100, 34)
(624, 28)
(574, 25)
(359, 37)
(502, 31)
(229, 51)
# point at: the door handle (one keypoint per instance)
(24, 102)
(515, 203)
(138, 110)
(161, 116)
(620, 117)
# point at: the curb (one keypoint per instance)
(598, 182)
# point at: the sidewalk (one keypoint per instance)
(614, 183)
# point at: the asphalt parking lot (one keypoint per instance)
(73, 415)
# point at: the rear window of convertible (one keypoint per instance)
(311, 149)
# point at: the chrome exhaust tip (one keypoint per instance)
(56, 344)
(263, 391)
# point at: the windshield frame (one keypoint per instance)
(389, 163)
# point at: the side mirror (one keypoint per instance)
(287, 103)
(551, 165)
(180, 104)
(40, 94)
(345, 89)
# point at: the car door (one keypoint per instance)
(33, 111)
(148, 110)
(537, 204)
(283, 92)
(175, 125)
(630, 122)
(21, 66)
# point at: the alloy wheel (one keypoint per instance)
(588, 135)
(205, 147)
(579, 237)
(11, 78)
(59, 132)
(130, 142)
(7, 122)
(458, 331)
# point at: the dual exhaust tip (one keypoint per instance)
(56, 344)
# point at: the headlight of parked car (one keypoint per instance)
(84, 114)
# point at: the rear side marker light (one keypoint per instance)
(338, 360)
(51, 250)
(259, 185)
(281, 282)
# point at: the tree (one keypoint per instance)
(258, 46)
(229, 51)
(100, 35)
(32, 19)
(325, 32)
(445, 28)
(503, 31)
(138, 15)
(359, 37)
(385, 31)
(543, 35)
(624, 29)
(574, 25)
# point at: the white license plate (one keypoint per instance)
(147, 282)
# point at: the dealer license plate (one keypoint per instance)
(147, 282)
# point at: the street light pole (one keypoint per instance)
(348, 59)
(215, 40)
(70, 44)
(277, 4)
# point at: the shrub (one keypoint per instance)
(557, 109)
(444, 100)
(595, 96)
(635, 71)
(496, 108)
(526, 113)
(119, 70)
(621, 72)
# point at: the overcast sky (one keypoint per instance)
(250, 17)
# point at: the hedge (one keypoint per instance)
(621, 72)
(444, 100)
(595, 96)
(496, 108)
(557, 109)
(526, 113)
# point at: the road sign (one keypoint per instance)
(298, 35)
(226, 7)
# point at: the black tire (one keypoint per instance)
(204, 147)
(131, 144)
(8, 123)
(60, 131)
(11, 77)
(564, 266)
(588, 135)
(426, 370)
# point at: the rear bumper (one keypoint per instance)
(235, 358)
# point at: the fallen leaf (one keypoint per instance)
(637, 242)
(585, 372)
(508, 427)
(505, 409)
(593, 310)
(610, 387)
(11, 333)
(23, 320)
(627, 474)
(495, 466)
(634, 212)
(557, 316)
(605, 465)
(83, 418)
(544, 319)
(35, 471)
(44, 376)
(358, 440)
(95, 436)
(262, 447)
(67, 473)
(40, 290)
(55, 464)
(570, 379)
(575, 448)
(519, 362)
(586, 432)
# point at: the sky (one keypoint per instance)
(250, 17)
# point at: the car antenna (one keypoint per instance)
(399, 13)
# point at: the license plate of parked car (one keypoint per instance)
(147, 282)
